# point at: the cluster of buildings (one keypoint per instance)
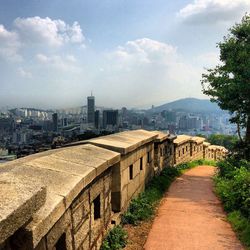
(68, 198)
(25, 131)
(180, 122)
(5, 156)
(99, 119)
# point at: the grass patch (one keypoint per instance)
(187, 165)
(116, 239)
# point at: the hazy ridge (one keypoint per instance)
(189, 104)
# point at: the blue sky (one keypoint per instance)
(129, 52)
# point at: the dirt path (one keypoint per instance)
(191, 217)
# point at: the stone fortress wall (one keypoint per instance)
(182, 146)
(69, 198)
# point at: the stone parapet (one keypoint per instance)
(216, 153)
(19, 200)
(65, 173)
(68, 198)
(180, 139)
(125, 142)
(136, 167)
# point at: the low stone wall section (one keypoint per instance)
(68, 198)
(65, 173)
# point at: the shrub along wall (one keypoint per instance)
(233, 187)
(143, 207)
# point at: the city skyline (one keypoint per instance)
(181, 104)
(25, 131)
(52, 54)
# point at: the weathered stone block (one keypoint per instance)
(124, 177)
(41, 245)
(58, 229)
(19, 200)
(136, 166)
(107, 184)
(116, 201)
(107, 216)
(96, 189)
(47, 216)
(106, 202)
(109, 197)
(99, 242)
(124, 196)
(86, 243)
(123, 163)
(96, 229)
(139, 153)
(82, 235)
(81, 198)
(142, 177)
(116, 179)
(132, 186)
(80, 215)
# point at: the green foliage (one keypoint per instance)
(228, 141)
(227, 168)
(234, 190)
(232, 184)
(143, 207)
(139, 209)
(116, 239)
(228, 83)
(241, 225)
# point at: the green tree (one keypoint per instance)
(228, 84)
(228, 141)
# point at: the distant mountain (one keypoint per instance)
(190, 105)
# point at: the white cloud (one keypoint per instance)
(41, 33)
(45, 31)
(209, 59)
(145, 51)
(71, 58)
(9, 44)
(24, 73)
(75, 33)
(63, 63)
(144, 70)
(211, 11)
(42, 58)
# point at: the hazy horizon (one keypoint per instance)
(102, 106)
(129, 53)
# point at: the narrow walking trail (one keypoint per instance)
(191, 217)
